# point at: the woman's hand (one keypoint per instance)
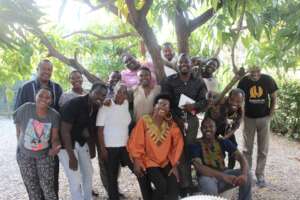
(54, 150)
(174, 171)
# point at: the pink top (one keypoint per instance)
(130, 78)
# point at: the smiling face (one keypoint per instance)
(162, 107)
(235, 101)
(144, 77)
(76, 80)
(44, 71)
(255, 73)
(184, 64)
(168, 53)
(97, 96)
(43, 98)
(208, 128)
(121, 94)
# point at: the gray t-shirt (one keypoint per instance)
(67, 96)
(35, 131)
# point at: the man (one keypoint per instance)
(228, 115)
(260, 99)
(78, 118)
(129, 75)
(169, 57)
(113, 79)
(29, 90)
(208, 155)
(210, 81)
(183, 83)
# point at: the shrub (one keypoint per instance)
(286, 120)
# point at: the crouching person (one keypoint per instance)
(155, 145)
(208, 155)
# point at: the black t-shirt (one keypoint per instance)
(77, 112)
(257, 93)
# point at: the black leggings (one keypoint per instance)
(166, 187)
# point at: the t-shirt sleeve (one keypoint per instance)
(19, 114)
(55, 120)
(272, 85)
(100, 121)
(69, 111)
(228, 146)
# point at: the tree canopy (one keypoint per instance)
(268, 31)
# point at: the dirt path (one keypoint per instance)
(282, 172)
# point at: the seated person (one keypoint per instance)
(155, 147)
(208, 155)
(228, 115)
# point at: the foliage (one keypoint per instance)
(286, 120)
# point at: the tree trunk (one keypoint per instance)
(182, 32)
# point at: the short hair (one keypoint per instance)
(216, 60)
(145, 69)
(206, 119)
(44, 61)
(74, 71)
(98, 86)
(45, 88)
(118, 87)
(236, 91)
(184, 55)
(167, 45)
(165, 96)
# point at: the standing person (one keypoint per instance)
(208, 155)
(29, 90)
(184, 83)
(113, 122)
(260, 99)
(75, 78)
(155, 146)
(129, 75)
(78, 117)
(169, 57)
(228, 116)
(38, 141)
(144, 94)
(208, 75)
(113, 79)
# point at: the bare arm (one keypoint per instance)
(241, 159)
(103, 151)
(66, 138)
(273, 102)
(55, 141)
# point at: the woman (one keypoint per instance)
(155, 147)
(38, 141)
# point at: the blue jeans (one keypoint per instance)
(213, 186)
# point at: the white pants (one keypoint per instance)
(80, 181)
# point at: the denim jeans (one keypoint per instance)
(213, 186)
(80, 181)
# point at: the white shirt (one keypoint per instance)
(211, 84)
(115, 119)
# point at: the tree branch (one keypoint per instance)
(73, 62)
(239, 28)
(202, 19)
(99, 37)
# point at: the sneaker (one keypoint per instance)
(261, 183)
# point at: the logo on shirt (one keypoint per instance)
(256, 92)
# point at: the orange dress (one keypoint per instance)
(153, 146)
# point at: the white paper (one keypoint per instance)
(169, 71)
(185, 100)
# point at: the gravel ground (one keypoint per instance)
(282, 172)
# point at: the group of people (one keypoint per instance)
(150, 127)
